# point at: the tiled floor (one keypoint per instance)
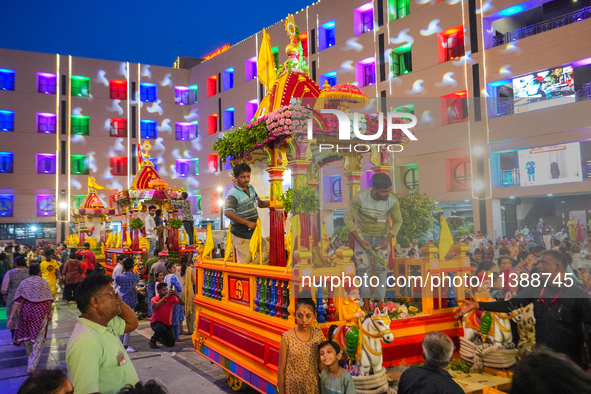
(185, 372)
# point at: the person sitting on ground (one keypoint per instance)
(126, 283)
(431, 378)
(161, 321)
(545, 372)
(153, 269)
(96, 359)
(47, 381)
(334, 379)
(150, 387)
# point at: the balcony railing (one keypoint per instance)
(506, 107)
(510, 177)
(540, 27)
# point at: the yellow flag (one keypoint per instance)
(228, 244)
(208, 242)
(296, 234)
(288, 246)
(324, 240)
(127, 243)
(446, 240)
(255, 241)
(266, 62)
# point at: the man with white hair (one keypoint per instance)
(431, 378)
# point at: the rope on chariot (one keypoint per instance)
(372, 384)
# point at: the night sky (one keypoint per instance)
(138, 31)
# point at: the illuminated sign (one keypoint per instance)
(217, 52)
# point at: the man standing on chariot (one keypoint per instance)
(242, 211)
(373, 234)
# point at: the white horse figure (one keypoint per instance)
(375, 329)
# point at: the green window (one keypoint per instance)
(79, 164)
(401, 60)
(194, 93)
(77, 201)
(80, 86)
(196, 163)
(398, 9)
(198, 199)
(80, 124)
(275, 51)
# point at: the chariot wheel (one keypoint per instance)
(235, 383)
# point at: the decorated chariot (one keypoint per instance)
(147, 189)
(243, 309)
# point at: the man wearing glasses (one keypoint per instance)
(96, 359)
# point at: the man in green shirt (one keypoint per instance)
(96, 359)
(372, 208)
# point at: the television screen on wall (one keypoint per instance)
(548, 165)
(544, 89)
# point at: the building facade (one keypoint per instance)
(499, 89)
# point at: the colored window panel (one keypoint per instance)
(7, 79)
(46, 123)
(80, 124)
(228, 78)
(6, 205)
(45, 204)
(148, 92)
(80, 86)
(250, 68)
(330, 77)
(367, 21)
(46, 83)
(181, 95)
(6, 162)
(117, 90)
(183, 168)
(369, 74)
(46, 163)
(79, 165)
(118, 165)
(118, 128)
(184, 131)
(228, 118)
(149, 129)
(401, 61)
(398, 9)
(193, 95)
(326, 35)
(6, 120)
(212, 83)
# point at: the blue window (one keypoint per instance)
(228, 118)
(6, 205)
(6, 120)
(326, 35)
(181, 95)
(149, 129)
(228, 78)
(6, 162)
(330, 77)
(148, 92)
(7, 79)
(46, 83)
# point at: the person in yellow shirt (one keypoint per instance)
(48, 270)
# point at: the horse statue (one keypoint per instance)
(373, 329)
(488, 340)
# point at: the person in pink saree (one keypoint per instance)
(33, 299)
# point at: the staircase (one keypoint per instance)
(543, 208)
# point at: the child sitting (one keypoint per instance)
(297, 372)
(334, 379)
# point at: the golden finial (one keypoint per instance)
(147, 147)
(326, 85)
